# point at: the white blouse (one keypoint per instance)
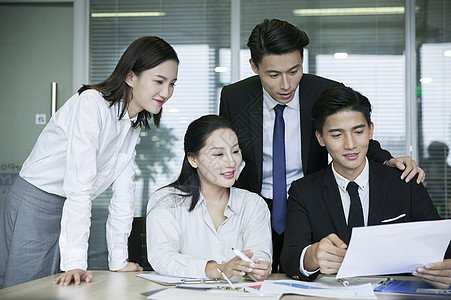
(82, 151)
(180, 243)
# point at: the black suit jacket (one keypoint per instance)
(242, 104)
(315, 209)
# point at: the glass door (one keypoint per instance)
(36, 50)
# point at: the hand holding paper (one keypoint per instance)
(326, 255)
(436, 274)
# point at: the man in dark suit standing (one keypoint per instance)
(278, 150)
(351, 191)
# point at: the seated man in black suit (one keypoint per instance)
(321, 212)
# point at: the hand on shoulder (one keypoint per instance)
(409, 168)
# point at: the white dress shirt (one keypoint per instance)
(363, 181)
(82, 151)
(181, 243)
(293, 158)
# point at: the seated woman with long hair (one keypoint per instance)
(194, 222)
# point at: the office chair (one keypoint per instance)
(137, 249)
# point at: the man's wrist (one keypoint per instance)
(310, 263)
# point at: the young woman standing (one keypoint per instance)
(87, 146)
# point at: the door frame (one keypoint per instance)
(80, 59)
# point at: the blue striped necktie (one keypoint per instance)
(279, 208)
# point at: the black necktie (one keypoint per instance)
(279, 206)
(355, 218)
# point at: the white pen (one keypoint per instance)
(226, 278)
(242, 256)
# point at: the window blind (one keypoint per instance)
(372, 33)
(197, 29)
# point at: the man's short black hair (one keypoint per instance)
(337, 99)
(275, 37)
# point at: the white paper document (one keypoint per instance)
(191, 294)
(364, 291)
(268, 290)
(395, 248)
(162, 279)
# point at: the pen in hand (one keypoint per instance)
(226, 278)
(242, 256)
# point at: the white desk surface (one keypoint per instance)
(118, 285)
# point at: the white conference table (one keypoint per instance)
(117, 285)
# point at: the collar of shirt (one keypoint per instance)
(132, 119)
(270, 103)
(126, 115)
(362, 180)
(230, 209)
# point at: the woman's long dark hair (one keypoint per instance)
(143, 54)
(196, 136)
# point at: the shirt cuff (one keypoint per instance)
(72, 259)
(301, 264)
(197, 267)
(261, 255)
(117, 259)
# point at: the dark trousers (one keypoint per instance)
(277, 244)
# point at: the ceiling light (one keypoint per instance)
(351, 11)
(173, 110)
(341, 55)
(128, 14)
(220, 69)
(447, 53)
(426, 80)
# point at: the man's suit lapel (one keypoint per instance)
(332, 198)
(255, 123)
(306, 103)
(378, 193)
